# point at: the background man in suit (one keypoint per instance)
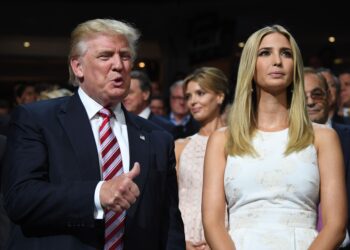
(53, 187)
(4, 220)
(157, 105)
(138, 100)
(179, 114)
(318, 106)
(344, 104)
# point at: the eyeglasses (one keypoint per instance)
(316, 94)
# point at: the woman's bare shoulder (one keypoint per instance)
(182, 140)
(324, 133)
(181, 143)
(322, 129)
(219, 136)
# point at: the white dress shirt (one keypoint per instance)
(145, 113)
(119, 128)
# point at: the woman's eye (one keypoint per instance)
(264, 53)
(287, 53)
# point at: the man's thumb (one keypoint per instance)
(135, 171)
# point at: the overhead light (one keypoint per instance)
(338, 60)
(26, 44)
(142, 65)
(331, 39)
(241, 44)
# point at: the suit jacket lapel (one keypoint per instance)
(75, 122)
(139, 152)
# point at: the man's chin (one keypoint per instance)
(319, 120)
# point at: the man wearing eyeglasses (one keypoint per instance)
(179, 115)
(344, 109)
(318, 105)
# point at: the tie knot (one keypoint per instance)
(105, 113)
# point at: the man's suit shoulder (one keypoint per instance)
(147, 125)
(40, 112)
(45, 107)
(162, 122)
(342, 129)
(343, 132)
(160, 119)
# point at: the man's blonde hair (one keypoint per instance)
(89, 29)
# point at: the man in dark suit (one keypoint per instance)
(334, 96)
(138, 100)
(54, 191)
(344, 102)
(4, 220)
(317, 101)
(179, 114)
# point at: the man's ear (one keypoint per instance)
(77, 67)
(146, 95)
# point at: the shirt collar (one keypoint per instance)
(145, 113)
(92, 107)
(183, 122)
(329, 123)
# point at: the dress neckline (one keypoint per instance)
(199, 135)
(281, 131)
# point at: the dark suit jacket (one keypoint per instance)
(340, 119)
(183, 131)
(162, 122)
(2, 151)
(4, 220)
(343, 132)
(4, 124)
(52, 171)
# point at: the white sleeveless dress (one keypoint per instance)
(190, 180)
(272, 199)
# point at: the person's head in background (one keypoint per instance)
(344, 103)
(139, 94)
(334, 89)
(101, 56)
(178, 107)
(206, 93)
(317, 95)
(5, 107)
(157, 105)
(55, 93)
(25, 93)
(155, 88)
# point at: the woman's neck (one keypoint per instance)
(207, 128)
(272, 115)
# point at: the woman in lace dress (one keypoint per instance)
(206, 91)
(271, 165)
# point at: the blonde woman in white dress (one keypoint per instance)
(271, 164)
(206, 92)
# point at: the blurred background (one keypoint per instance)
(177, 36)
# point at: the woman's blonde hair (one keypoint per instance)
(212, 79)
(242, 122)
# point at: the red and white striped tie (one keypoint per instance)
(112, 165)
